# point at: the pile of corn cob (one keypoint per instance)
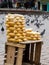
(16, 32)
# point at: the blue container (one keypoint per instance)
(47, 6)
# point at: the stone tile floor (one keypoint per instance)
(44, 53)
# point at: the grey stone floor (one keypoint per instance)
(44, 53)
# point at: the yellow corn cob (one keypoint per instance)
(11, 28)
(11, 34)
(11, 40)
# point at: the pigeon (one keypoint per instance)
(43, 32)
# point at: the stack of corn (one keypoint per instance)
(10, 27)
(19, 28)
(15, 28)
(16, 32)
(31, 35)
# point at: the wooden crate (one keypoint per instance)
(33, 52)
(18, 52)
(14, 53)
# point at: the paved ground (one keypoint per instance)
(44, 54)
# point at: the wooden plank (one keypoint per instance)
(15, 45)
(19, 56)
(8, 64)
(32, 53)
(10, 55)
(31, 42)
(38, 52)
